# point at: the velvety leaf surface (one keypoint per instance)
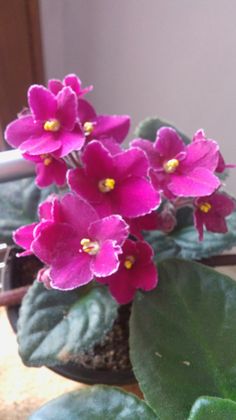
(183, 338)
(210, 408)
(147, 129)
(54, 326)
(96, 403)
(18, 205)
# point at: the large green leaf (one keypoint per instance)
(18, 205)
(210, 408)
(147, 129)
(183, 338)
(54, 326)
(96, 403)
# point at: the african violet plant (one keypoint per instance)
(124, 211)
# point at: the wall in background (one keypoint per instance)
(174, 59)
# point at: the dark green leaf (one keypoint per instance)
(54, 326)
(96, 403)
(147, 129)
(183, 338)
(210, 408)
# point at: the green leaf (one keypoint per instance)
(54, 325)
(183, 338)
(210, 408)
(147, 129)
(96, 403)
(18, 205)
(163, 245)
(213, 243)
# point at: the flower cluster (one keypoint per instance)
(95, 231)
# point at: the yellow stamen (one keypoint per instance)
(205, 207)
(47, 159)
(52, 125)
(106, 185)
(89, 247)
(171, 165)
(88, 128)
(129, 262)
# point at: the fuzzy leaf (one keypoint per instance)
(183, 338)
(96, 403)
(211, 408)
(54, 326)
(147, 129)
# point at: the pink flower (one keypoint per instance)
(179, 170)
(211, 212)
(47, 212)
(136, 271)
(100, 127)
(71, 80)
(114, 183)
(50, 127)
(79, 246)
(43, 276)
(49, 169)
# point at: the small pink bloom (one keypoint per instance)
(79, 245)
(179, 170)
(211, 212)
(114, 183)
(100, 127)
(49, 169)
(43, 276)
(71, 80)
(136, 271)
(51, 125)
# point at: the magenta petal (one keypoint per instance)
(216, 224)
(106, 262)
(72, 273)
(132, 162)
(42, 102)
(67, 108)
(116, 126)
(85, 111)
(46, 143)
(55, 85)
(152, 155)
(168, 143)
(77, 213)
(111, 227)
(112, 146)
(98, 161)
(80, 183)
(70, 141)
(146, 277)
(24, 236)
(198, 182)
(203, 154)
(22, 129)
(135, 197)
(74, 82)
(55, 172)
(120, 287)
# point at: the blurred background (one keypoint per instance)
(171, 59)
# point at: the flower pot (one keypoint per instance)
(28, 266)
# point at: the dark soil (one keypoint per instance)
(113, 352)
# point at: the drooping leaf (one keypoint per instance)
(183, 338)
(96, 403)
(54, 325)
(210, 408)
(147, 129)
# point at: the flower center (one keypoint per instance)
(129, 262)
(88, 128)
(52, 125)
(205, 207)
(171, 165)
(47, 159)
(89, 247)
(106, 185)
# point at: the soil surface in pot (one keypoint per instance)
(112, 353)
